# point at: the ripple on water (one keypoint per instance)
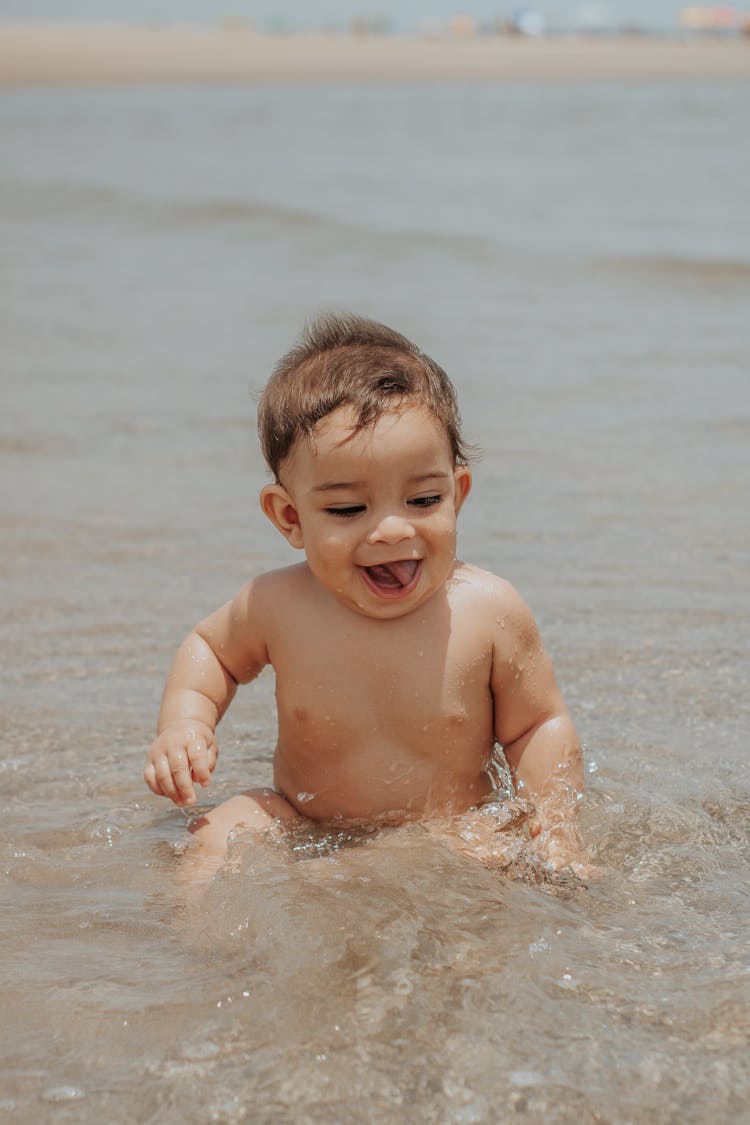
(58, 1094)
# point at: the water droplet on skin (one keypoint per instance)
(303, 797)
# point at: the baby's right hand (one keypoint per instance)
(183, 753)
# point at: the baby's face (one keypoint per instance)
(375, 511)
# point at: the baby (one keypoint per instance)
(398, 668)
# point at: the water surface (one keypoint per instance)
(579, 261)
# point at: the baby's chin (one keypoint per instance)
(367, 601)
(392, 610)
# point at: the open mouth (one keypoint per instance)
(393, 578)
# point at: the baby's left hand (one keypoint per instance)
(560, 847)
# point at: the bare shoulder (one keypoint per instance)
(266, 596)
(239, 631)
(490, 589)
(503, 608)
(286, 579)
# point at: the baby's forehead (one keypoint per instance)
(406, 428)
(344, 426)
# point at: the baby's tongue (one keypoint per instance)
(393, 574)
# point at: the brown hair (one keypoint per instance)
(346, 360)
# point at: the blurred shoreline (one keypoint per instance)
(50, 55)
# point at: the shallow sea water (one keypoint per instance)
(579, 261)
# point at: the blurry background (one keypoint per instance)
(306, 14)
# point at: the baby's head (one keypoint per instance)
(346, 360)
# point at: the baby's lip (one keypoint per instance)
(393, 577)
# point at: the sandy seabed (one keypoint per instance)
(33, 55)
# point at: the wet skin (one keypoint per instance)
(397, 667)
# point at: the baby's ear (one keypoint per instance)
(279, 507)
(462, 478)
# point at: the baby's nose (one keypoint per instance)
(391, 529)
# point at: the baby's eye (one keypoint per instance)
(347, 511)
(425, 501)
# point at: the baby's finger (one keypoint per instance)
(197, 753)
(149, 776)
(163, 782)
(182, 779)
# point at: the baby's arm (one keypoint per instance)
(539, 740)
(222, 651)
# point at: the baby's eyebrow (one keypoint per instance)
(336, 484)
(418, 478)
(435, 474)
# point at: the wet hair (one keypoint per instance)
(345, 360)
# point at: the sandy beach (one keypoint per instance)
(46, 55)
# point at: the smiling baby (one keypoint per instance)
(399, 670)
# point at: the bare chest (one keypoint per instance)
(421, 685)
